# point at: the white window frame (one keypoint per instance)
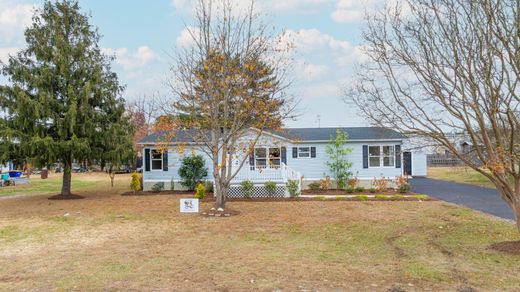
(308, 152)
(267, 157)
(156, 159)
(382, 156)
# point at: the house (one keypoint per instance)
(290, 154)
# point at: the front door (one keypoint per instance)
(407, 163)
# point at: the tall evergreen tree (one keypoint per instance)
(63, 102)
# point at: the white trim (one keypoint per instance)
(381, 156)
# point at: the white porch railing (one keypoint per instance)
(277, 173)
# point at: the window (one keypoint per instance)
(304, 152)
(156, 159)
(274, 157)
(374, 156)
(260, 157)
(381, 156)
(388, 156)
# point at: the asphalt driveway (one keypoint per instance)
(478, 198)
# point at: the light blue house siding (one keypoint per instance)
(311, 168)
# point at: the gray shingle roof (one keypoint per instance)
(300, 134)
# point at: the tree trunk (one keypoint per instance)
(220, 195)
(67, 170)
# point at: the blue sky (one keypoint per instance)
(142, 34)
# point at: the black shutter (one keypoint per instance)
(295, 152)
(397, 156)
(313, 152)
(365, 156)
(251, 161)
(165, 160)
(284, 155)
(147, 159)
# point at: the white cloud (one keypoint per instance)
(6, 52)
(351, 10)
(14, 18)
(186, 37)
(263, 6)
(132, 62)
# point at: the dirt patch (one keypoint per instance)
(511, 247)
(69, 197)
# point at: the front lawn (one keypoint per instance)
(460, 174)
(143, 243)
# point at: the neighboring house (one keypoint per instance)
(293, 153)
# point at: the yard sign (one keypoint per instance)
(189, 205)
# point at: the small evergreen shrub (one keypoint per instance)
(270, 187)
(200, 191)
(360, 189)
(158, 187)
(382, 197)
(292, 188)
(135, 183)
(192, 171)
(372, 190)
(341, 183)
(361, 197)
(349, 190)
(315, 186)
(247, 188)
(403, 189)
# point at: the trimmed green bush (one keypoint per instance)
(315, 186)
(270, 186)
(403, 189)
(361, 197)
(360, 189)
(349, 190)
(200, 191)
(292, 188)
(372, 190)
(158, 187)
(192, 171)
(247, 188)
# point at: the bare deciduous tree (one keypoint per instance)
(232, 79)
(440, 66)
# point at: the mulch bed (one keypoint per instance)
(511, 247)
(336, 192)
(69, 197)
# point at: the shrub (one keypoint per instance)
(292, 188)
(192, 171)
(402, 185)
(349, 190)
(209, 186)
(422, 197)
(341, 184)
(247, 188)
(353, 182)
(270, 187)
(399, 197)
(404, 189)
(135, 183)
(200, 191)
(315, 186)
(361, 197)
(360, 189)
(158, 187)
(325, 183)
(372, 190)
(380, 184)
(382, 197)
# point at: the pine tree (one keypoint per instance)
(63, 103)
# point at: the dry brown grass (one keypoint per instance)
(460, 174)
(122, 243)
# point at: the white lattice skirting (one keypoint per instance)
(258, 192)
